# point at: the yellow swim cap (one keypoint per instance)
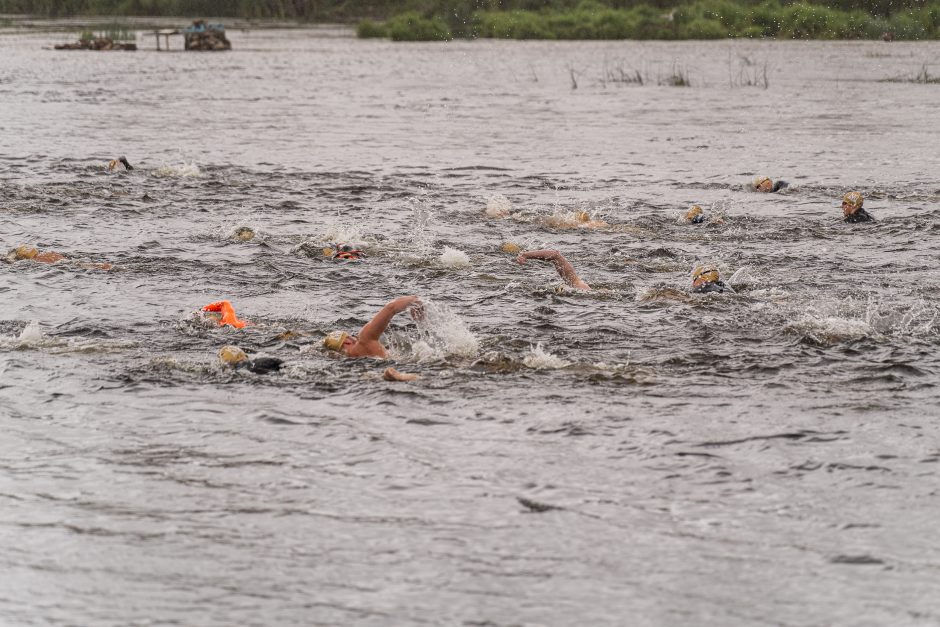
(231, 355)
(112, 165)
(25, 252)
(694, 212)
(583, 216)
(704, 274)
(509, 247)
(244, 233)
(853, 199)
(334, 341)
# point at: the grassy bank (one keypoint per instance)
(700, 19)
(420, 20)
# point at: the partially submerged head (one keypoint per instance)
(338, 341)
(347, 252)
(851, 203)
(21, 253)
(695, 214)
(703, 275)
(244, 234)
(511, 248)
(232, 355)
(763, 184)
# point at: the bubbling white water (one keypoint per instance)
(453, 258)
(541, 359)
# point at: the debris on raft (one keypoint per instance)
(97, 43)
(204, 36)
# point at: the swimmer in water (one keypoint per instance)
(695, 215)
(223, 313)
(563, 266)
(236, 358)
(706, 279)
(344, 252)
(852, 208)
(244, 234)
(575, 220)
(765, 185)
(119, 164)
(31, 253)
(367, 344)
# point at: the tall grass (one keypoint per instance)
(700, 19)
(114, 32)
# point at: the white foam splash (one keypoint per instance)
(183, 170)
(540, 359)
(421, 228)
(919, 318)
(453, 258)
(31, 335)
(497, 206)
(825, 330)
(743, 277)
(442, 332)
(344, 233)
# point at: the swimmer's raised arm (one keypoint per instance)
(374, 329)
(563, 266)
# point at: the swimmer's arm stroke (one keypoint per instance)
(565, 270)
(374, 329)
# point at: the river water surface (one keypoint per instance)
(635, 455)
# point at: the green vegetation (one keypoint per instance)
(412, 20)
(114, 32)
(412, 26)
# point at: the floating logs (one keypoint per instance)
(98, 43)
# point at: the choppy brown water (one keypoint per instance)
(768, 457)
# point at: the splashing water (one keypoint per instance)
(344, 233)
(184, 170)
(453, 258)
(423, 218)
(442, 333)
(540, 359)
(497, 206)
(918, 319)
(828, 330)
(31, 335)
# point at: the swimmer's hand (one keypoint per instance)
(391, 374)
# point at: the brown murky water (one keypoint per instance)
(634, 455)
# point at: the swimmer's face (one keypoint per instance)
(848, 209)
(766, 185)
(349, 342)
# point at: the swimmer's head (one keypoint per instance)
(851, 203)
(347, 252)
(703, 275)
(511, 248)
(22, 252)
(583, 216)
(116, 164)
(763, 184)
(694, 214)
(337, 341)
(244, 234)
(231, 355)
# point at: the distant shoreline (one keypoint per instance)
(588, 20)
